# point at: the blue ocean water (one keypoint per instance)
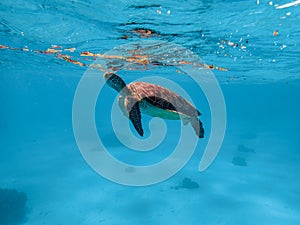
(253, 180)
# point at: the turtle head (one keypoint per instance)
(114, 81)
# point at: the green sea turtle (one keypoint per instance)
(141, 97)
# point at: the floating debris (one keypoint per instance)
(51, 50)
(275, 32)
(137, 58)
(3, 46)
(67, 59)
(70, 49)
(56, 46)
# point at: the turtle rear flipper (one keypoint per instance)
(134, 114)
(198, 127)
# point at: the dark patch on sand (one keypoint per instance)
(239, 161)
(242, 148)
(12, 207)
(187, 183)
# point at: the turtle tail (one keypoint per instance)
(198, 127)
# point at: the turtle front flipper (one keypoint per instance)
(134, 113)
